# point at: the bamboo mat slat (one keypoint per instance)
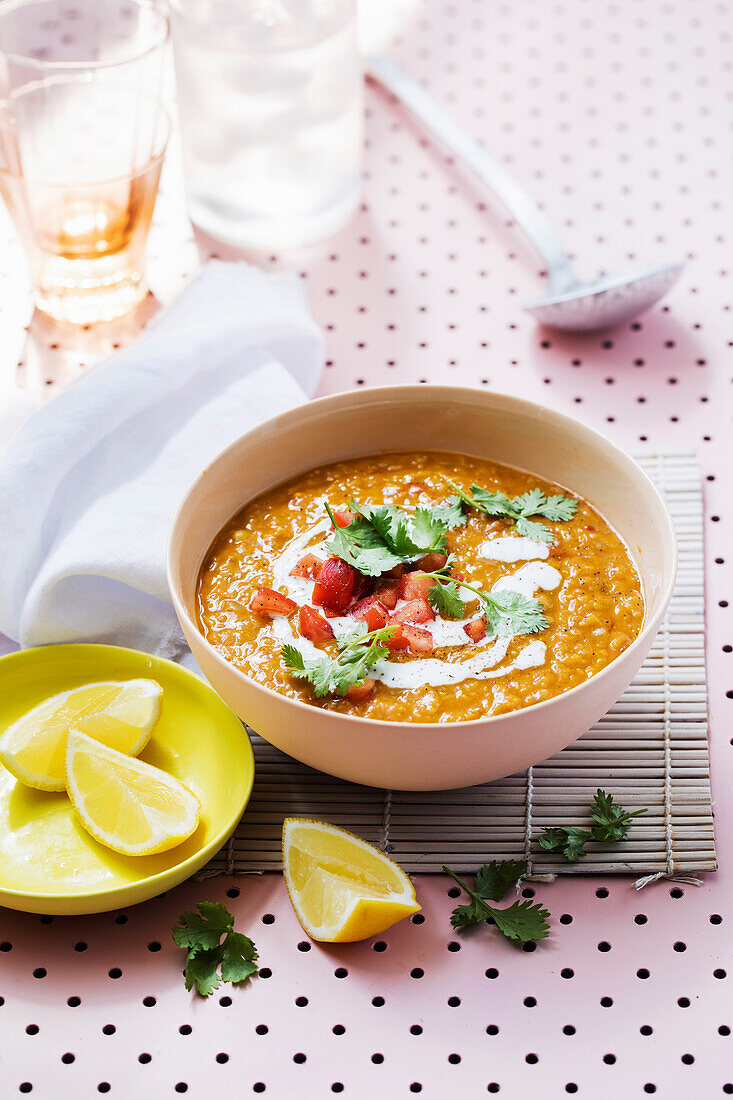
(650, 750)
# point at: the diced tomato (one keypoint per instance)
(269, 602)
(416, 611)
(415, 586)
(397, 639)
(388, 593)
(432, 562)
(308, 566)
(396, 572)
(361, 585)
(476, 629)
(371, 611)
(335, 585)
(357, 692)
(313, 626)
(419, 641)
(344, 517)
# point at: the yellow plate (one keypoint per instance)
(48, 862)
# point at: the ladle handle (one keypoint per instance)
(524, 210)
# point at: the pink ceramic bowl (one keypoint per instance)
(421, 756)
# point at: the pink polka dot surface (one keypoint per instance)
(617, 115)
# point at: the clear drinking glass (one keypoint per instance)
(270, 95)
(82, 139)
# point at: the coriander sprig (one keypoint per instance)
(200, 934)
(522, 921)
(334, 676)
(381, 537)
(517, 510)
(506, 612)
(610, 825)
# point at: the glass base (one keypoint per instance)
(242, 230)
(87, 305)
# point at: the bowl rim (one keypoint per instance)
(181, 871)
(433, 392)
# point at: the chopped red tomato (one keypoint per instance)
(357, 692)
(416, 611)
(313, 626)
(335, 585)
(476, 629)
(388, 593)
(371, 611)
(415, 586)
(269, 602)
(419, 641)
(398, 639)
(308, 566)
(344, 517)
(361, 585)
(431, 562)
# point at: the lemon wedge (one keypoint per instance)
(120, 714)
(341, 888)
(124, 803)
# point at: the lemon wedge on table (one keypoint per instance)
(120, 714)
(124, 803)
(341, 888)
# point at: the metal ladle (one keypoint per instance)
(570, 304)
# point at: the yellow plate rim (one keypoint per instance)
(57, 903)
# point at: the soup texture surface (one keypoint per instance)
(503, 606)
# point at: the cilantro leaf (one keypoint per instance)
(329, 676)
(610, 824)
(506, 612)
(517, 510)
(610, 821)
(451, 513)
(494, 879)
(205, 928)
(510, 612)
(201, 970)
(535, 531)
(522, 921)
(361, 545)
(463, 916)
(428, 531)
(559, 508)
(383, 536)
(445, 598)
(568, 840)
(494, 504)
(238, 959)
(200, 933)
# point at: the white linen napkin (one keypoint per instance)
(90, 483)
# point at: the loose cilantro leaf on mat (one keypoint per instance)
(200, 934)
(506, 612)
(610, 824)
(610, 821)
(329, 676)
(517, 510)
(523, 920)
(568, 840)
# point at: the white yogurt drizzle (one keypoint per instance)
(512, 548)
(427, 671)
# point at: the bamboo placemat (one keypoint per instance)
(649, 750)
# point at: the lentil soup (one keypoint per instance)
(270, 580)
